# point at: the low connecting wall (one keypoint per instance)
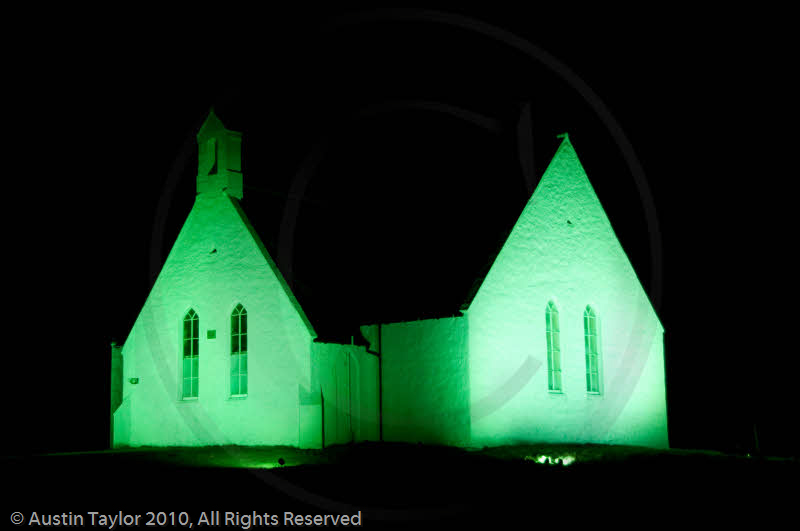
(425, 380)
(347, 379)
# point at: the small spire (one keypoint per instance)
(212, 126)
(219, 167)
(565, 136)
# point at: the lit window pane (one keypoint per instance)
(238, 348)
(590, 345)
(243, 384)
(553, 349)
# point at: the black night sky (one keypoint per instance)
(385, 158)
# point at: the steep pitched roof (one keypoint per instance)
(503, 238)
(481, 275)
(211, 126)
(273, 266)
(564, 152)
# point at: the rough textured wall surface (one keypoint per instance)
(367, 413)
(116, 388)
(216, 263)
(563, 249)
(348, 380)
(425, 381)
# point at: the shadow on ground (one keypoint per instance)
(410, 486)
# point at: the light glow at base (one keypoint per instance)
(566, 460)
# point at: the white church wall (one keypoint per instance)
(563, 250)
(334, 378)
(214, 265)
(480, 379)
(348, 382)
(310, 410)
(368, 427)
(642, 419)
(425, 381)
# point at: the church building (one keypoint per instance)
(559, 342)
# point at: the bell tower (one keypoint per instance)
(219, 167)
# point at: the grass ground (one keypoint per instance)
(411, 486)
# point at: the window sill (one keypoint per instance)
(593, 396)
(555, 393)
(237, 397)
(190, 399)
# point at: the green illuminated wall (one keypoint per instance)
(563, 249)
(216, 263)
(347, 377)
(478, 379)
(425, 380)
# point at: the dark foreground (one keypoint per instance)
(401, 486)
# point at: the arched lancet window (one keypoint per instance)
(191, 355)
(239, 351)
(592, 361)
(553, 348)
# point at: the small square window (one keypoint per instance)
(211, 334)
